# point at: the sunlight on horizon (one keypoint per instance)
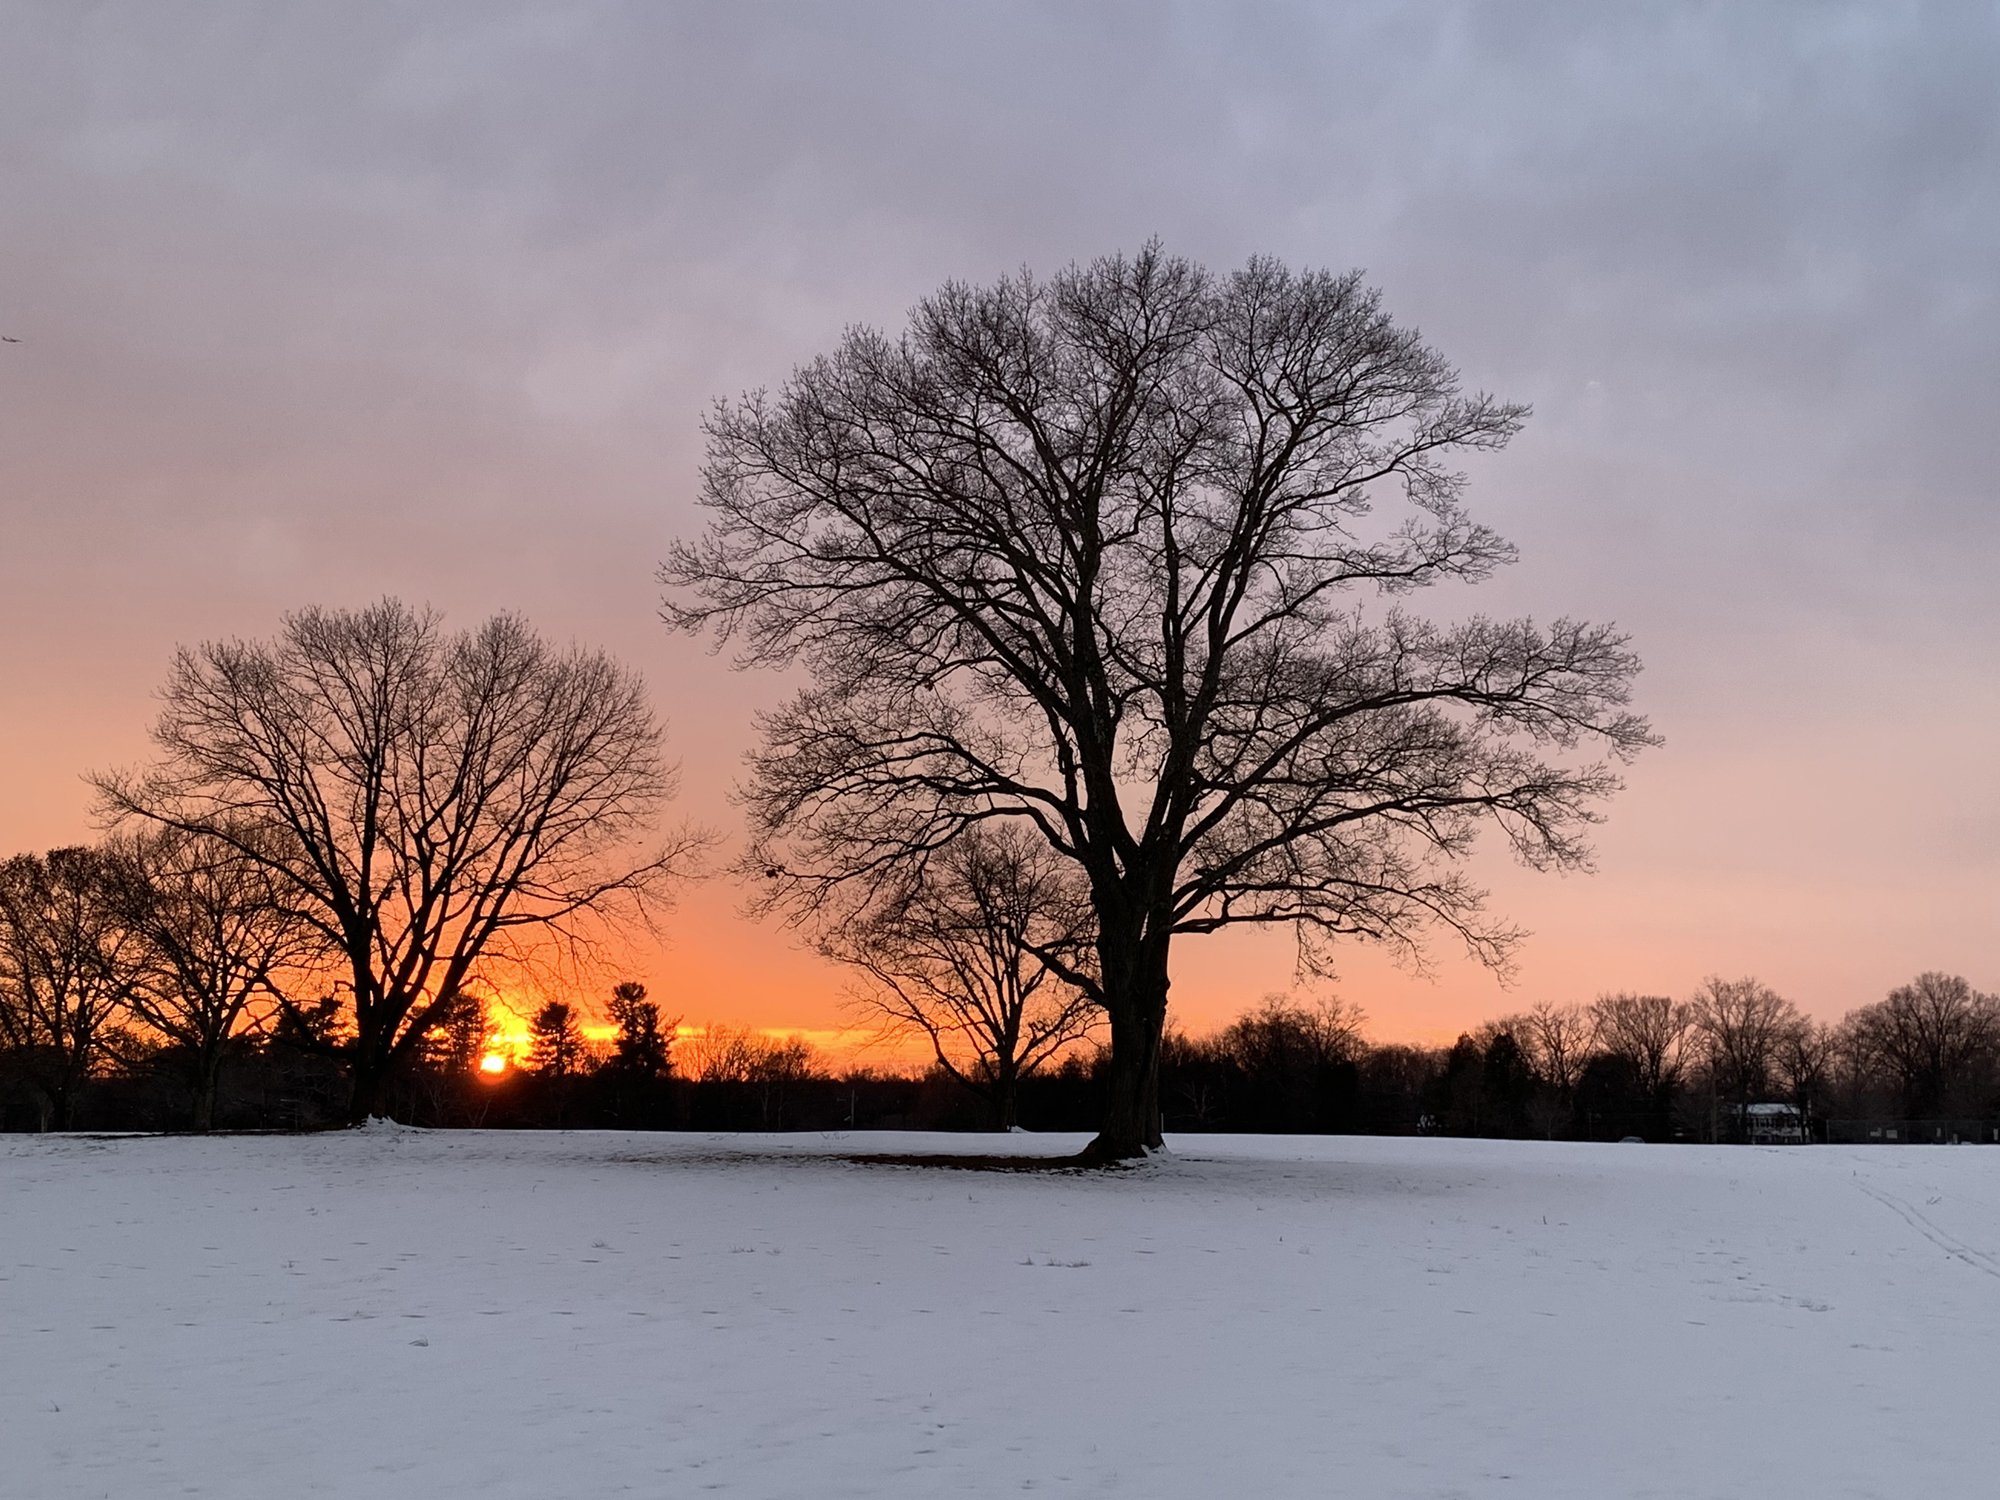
(841, 1049)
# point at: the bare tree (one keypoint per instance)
(1741, 1026)
(1806, 1059)
(721, 1054)
(1296, 1060)
(217, 934)
(69, 963)
(1648, 1031)
(431, 802)
(1938, 1039)
(1099, 555)
(1557, 1039)
(755, 1066)
(965, 951)
(728, 1054)
(1282, 1035)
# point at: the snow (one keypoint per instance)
(390, 1313)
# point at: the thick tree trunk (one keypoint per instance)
(373, 1055)
(1006, 1092)
(68, 1094)
(377, 1054)
(371, 1087)
(207, 1083)
(1137, 1004)
(65, 1110)
(1131, 1125)
(204, 1105)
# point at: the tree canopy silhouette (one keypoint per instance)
(69, 964)
(429, 801)
(1102, 554)
(965, 953)
(218, 934)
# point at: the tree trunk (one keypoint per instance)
(66, 1101)
(207, 1082)
(68, 1075)
(377, 1055)
(1006, 1087)
(204, 1103)
(1137, 1004)
(371, 1078)
(1131, 1125)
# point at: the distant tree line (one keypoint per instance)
(143, 985)
(106, 1045)
(1928, 1055)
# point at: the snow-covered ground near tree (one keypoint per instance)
(392, 1313)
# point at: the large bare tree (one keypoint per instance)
(1556, 1039)
(965, 952)
(1648, 1031)
(218, 931)
(1102, 554)
(430, 801)
(1938, 1039)
(1740, 1027)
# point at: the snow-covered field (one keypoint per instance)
(392, 1313)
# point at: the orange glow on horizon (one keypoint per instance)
(839, 1047)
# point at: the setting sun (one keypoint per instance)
(492, 1063)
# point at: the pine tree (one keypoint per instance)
(466, 1035)
(644, 1045)
(558, 1047)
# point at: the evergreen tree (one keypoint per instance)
(558, 1047)
(462, 1040)
(644, 1045)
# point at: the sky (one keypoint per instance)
(319, 304)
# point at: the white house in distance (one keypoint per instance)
(1772, 1124)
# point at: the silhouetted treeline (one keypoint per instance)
(270, 1083)
(148, 984)
(1921, 1064)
